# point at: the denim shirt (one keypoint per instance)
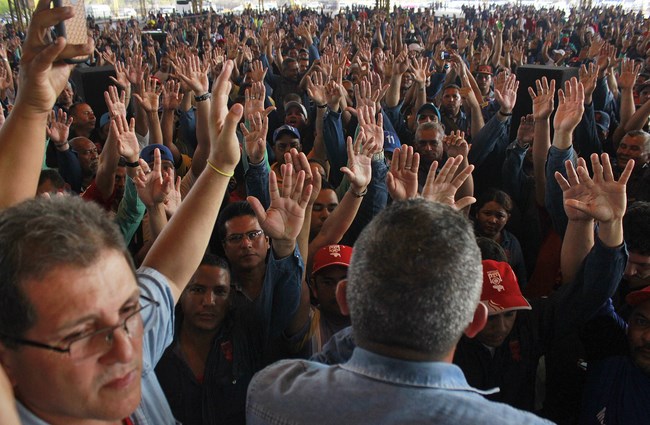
(372, 389)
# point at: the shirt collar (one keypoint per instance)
(403, 372)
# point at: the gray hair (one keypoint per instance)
(429, 125)
(415, 278)
(39, 235)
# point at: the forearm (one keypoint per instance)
(141, 120)
(467, 188)
(627, 106)
(178, 250)
(393, 93)
(157, 219)
(611, 233)
(155, 135)
(283, 248)
(338, 222)
(319, 152)
(21, 142)
(167, 127)
(562, 139)
(578, 241)
(186, 103)
(202, 151)
(541, 145)
(553, 196)
(639, 119)
(477, 118)
(105, 178)
(420, 99)
(496, 53)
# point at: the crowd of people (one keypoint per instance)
(288, 217)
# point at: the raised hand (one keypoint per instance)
(42, 68)
(544, 99)
(588, 78)
(123, 132)
(149, 96)
(255, 138)
(601, 197)
(224, 145)
(121, 79)
(171, 95)
(173, 199)
(507, 97)
(58, 128)
(115, 101)
(421, 69)
(5, 79)
(316, 88)
(456, 144)
(135, 69)
(526, 130)
(254, 100)
(359, 169)
(629, 74)
(258, 72)
(442, 187)
(193, 73)
(152, 186)
(109, 56)
(402, 178)
(283, 220)
(373, 127)
(401, 63)
(570, 108)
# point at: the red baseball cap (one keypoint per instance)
(638, 297)
(484, 69)
(332, 255)
(500, 288)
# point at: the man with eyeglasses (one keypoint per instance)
(79, 336)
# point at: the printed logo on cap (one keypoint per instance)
(335, 250)
(495, 280)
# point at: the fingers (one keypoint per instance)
(627, 172)
(257, 207)
(157, 163)
(597, 168)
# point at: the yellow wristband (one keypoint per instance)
(211, 165)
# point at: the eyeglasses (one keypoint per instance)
(236, 238)
(96, 342)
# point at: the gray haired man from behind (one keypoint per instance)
(413, 289)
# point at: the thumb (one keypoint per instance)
(465, 202)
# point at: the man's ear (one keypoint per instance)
(478, 321)
(342, 297)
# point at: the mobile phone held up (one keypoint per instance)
(445, 55)
(74, 30)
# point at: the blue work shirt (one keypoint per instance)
(372, 389)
